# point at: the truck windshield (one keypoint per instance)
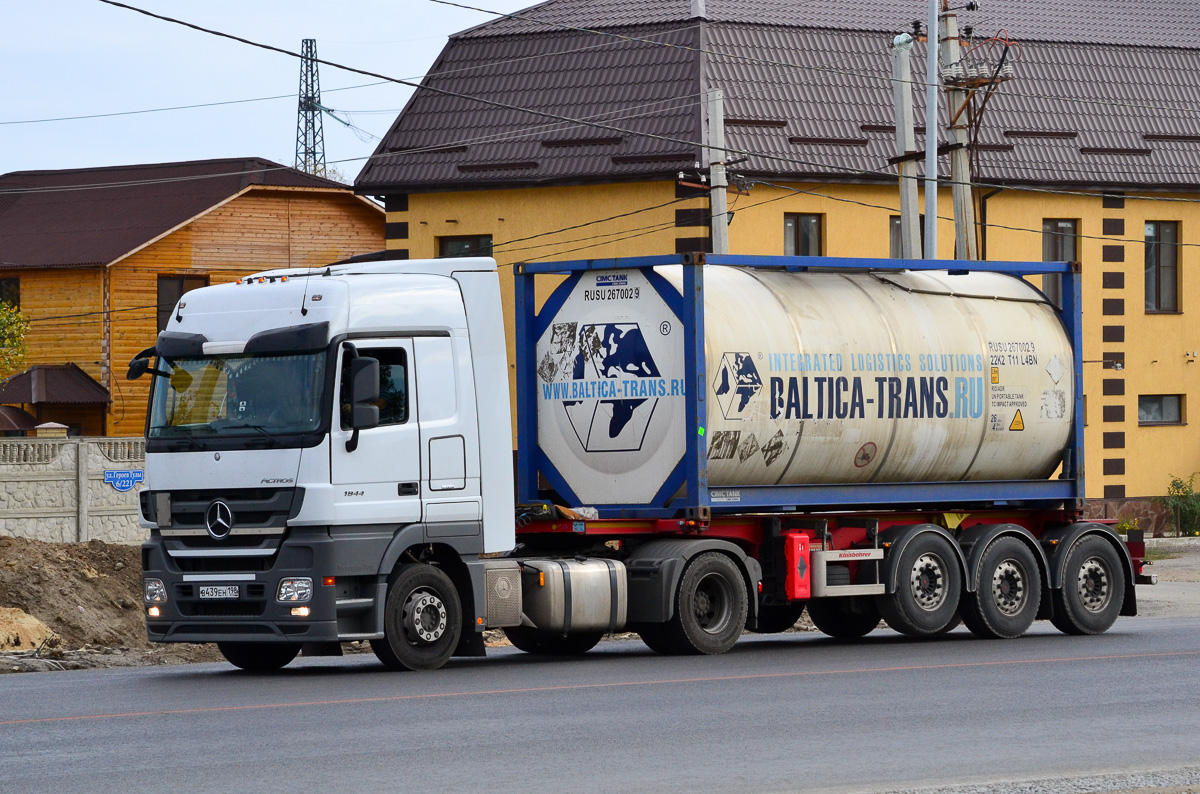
(237, 395)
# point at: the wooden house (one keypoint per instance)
(96, 258)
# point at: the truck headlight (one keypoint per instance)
(154, 591)
(295, 589)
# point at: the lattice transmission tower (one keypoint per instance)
(310, 136)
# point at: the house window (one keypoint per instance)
(894, 243)
(801, 235)
(1059, 244)
(1160, 409)
(465, 245)
(1162, 266)
(170, 290)
(10, 292)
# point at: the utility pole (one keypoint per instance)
(958, 98)
(716, 166)
(310, 136)
(906, 148)
(931, 131)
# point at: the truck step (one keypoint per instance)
(354, 604)
(360, 637)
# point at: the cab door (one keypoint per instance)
(379, 480)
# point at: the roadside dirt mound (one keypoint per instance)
(89, 595)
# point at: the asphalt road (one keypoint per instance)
(795, 712)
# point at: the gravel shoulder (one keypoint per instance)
(88, 596)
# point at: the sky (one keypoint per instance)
(82, 57)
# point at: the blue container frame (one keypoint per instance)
(692, 470)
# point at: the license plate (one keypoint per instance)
(219, 591)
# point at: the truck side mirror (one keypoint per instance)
(364, 391)
(140, 365)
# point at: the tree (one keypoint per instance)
(1183, 503)
(13, 327)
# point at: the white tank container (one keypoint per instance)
(812, 378)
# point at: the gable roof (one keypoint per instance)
(59, 384)
(1104, 94)
(93, 216)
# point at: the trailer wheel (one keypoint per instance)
(549, 643)
(1093, 589)
(259, 657)
(844, 618)
(1008, 594)
(774, 618)
(422, 620)
(710, 606)
(928, 588)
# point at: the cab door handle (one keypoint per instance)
(408, 489)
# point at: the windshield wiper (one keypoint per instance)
(184, 442)
(261, 429)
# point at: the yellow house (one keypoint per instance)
(97, 258)
(577, 130)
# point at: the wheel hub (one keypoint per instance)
(1093, 583)
(1008, 587)
(424, 618)
(711, 604)
(928, 582)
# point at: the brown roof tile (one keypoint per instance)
(1119, 77)
(92, 216)
(58, 384)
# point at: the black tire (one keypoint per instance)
(928, 588)
(844, 618)
(1093, 588)
(655, 637)
(1008, 591)
(710, 606)
(259, 657)
(422, 620)
(775, 618)
(548, 643)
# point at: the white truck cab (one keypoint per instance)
(309, 427)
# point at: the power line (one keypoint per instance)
(182, 107)
(600, 125)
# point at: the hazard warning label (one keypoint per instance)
(1017, 423)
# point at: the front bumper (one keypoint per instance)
(256, 615)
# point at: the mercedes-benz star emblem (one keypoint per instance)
(219, 520)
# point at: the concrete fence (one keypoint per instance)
(71, 489)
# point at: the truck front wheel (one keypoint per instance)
(422, 620)
(1093, 589)
(710, 606)
(258, 657)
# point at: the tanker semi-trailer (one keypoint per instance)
(738, 439)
